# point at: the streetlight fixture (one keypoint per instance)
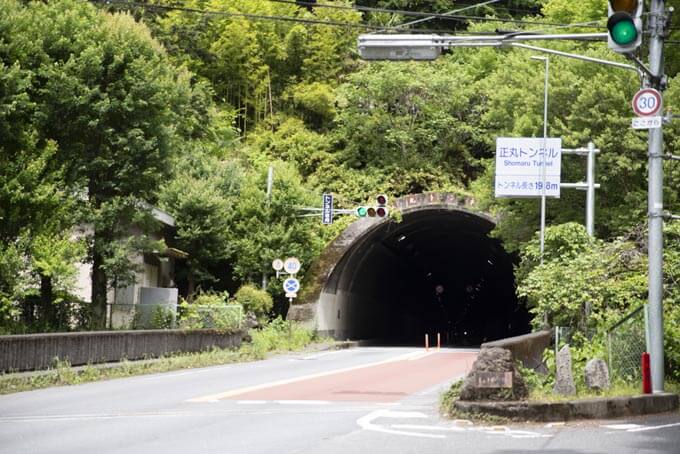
(399, 47)
(545, 147)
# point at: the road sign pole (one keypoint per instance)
(656, 27)
(545, 149)
(590, 194)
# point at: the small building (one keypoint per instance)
(153, 292)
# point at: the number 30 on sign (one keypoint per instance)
(647, 102)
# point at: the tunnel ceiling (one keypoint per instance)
(437, 271)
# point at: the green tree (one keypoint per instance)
(201, 197)
(107, 95)
(264, 230)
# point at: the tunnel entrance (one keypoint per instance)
(437, 271)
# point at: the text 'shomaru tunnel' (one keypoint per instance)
(437, 271)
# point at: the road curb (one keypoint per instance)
(601, 408)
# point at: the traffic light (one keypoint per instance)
(381, 208)
(624, 25)
(378, 210)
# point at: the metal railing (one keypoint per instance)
(626, 341)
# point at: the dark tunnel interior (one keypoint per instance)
(438, 271)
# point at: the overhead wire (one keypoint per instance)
(427, 16)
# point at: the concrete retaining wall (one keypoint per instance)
(527, 348)
(603, 408)
(38, 351)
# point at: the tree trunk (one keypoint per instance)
(46, 302)
(191, 286)
(99, 286)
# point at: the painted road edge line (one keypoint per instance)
(238, 391)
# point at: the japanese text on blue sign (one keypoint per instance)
(327, 213)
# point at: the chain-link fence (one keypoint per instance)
(227, 317)
(211, 316)
(142, 316)
(626, 342)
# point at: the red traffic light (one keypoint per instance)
(381, 199)
(381, 212)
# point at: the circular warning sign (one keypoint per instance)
(647, 102)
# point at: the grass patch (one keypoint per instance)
(278, 336)
(449, 396)
(616, 390)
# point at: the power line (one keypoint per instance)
(245, 15)
(133, 4)
(444, 16)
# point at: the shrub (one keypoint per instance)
(254, 300)
(211, 311)
(280, 335)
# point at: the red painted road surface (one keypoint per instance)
(379, 383)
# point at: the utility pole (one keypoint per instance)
(624, 37)
(270, 184)
(656, 26)
(545, 60)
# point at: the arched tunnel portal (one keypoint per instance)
(436, 271)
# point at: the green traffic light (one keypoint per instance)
(624, 32)
(362, 212)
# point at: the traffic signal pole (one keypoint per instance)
(623, 39)
(656, 26)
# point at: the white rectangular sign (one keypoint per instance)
(646, 122)
(519, 166)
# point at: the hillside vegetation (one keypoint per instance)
(185, 105)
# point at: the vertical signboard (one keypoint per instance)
(327, 213)
(519, 166)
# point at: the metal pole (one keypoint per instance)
(590, 195)
(270, 184)
(545, 147)
(655, 201)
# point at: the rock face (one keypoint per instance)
(494, 377)
(564, 377)
(597, 374)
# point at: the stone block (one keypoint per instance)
(494, 377)
(564, 375)
(597, 374)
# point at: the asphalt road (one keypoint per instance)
(364, 400)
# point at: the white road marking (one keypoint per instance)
(512, 433)
(235, 392)
(433, 428)
(643, 429)
(366, 423)
(319, 355)
(638, 427)
(250, 402)
(550, 425)
(622, 426)
(303, 402)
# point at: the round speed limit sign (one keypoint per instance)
(647, 102)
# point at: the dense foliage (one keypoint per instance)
(108, 109)
(588, 285)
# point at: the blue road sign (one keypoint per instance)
(327, 213)
(291, 285)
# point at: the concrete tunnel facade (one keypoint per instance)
(436, 271)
